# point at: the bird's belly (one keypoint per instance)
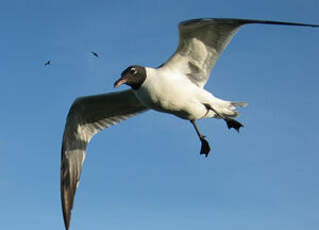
(178, 105)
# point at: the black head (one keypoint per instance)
(133, 76)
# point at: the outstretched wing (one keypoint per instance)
(88, 116)
(201, 41)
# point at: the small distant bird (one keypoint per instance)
(175, 87)
(47, 63)
(95, 54)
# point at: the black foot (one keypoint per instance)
(231, 123)
(205, 147)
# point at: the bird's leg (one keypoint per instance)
(205, 146)
(231, 123)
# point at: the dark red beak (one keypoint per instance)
(119, 82)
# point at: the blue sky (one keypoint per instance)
(146, 173)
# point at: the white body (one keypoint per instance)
(167, 91)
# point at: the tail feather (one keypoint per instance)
(230, 110)
(233, 105)
(239, 104)
(225, 108)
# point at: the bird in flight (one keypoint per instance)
(47, 63)
(175, 87)
(95, 54)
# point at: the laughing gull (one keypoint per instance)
(176, 87)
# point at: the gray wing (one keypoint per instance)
(88, 116)
(201, 41)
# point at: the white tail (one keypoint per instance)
(230, 111)
(239, 104)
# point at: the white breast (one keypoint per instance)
(168, 92)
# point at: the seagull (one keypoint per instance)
(95, 54)
(175, 87)
(47, 63)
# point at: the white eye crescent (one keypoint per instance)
(133, 71)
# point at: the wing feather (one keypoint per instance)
(201, 41)
(88, 116)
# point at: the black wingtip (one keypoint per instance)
(242, 21)
(66, 222)
(65, 210)
(67, 194)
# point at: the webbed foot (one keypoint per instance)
(205, 149)
(231, 123)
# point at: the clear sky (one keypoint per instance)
(146, 173)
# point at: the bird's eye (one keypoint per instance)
(133, 71)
